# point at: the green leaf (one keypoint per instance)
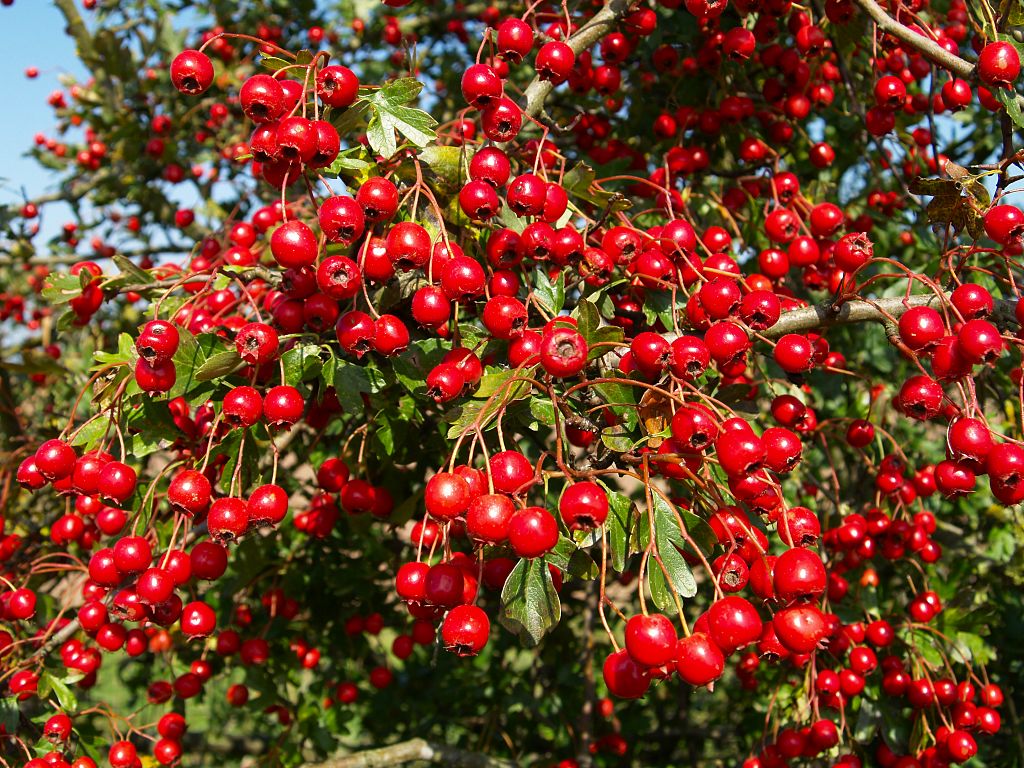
(61, 288)
(350, 163)
(400, 91)
(602, 335)
(218, 365)
(273, 63)
(66, 697)
(301, 363)
(421, 356)
(658, 306)
(493, 381)
(188, 359)
(620, 524)
(152, 428)
(587, 319)
(389, 114)
(131, 271)
(529, 604)
(542, 410)
(348, 120)
(9, 714)
(550, 295)
(617, 439)
(1011, 103)
(449, 163)
(622, 398)
(508, 219)
(669, 540)
(577, 183)
(384, 432)
(482, 411)
(352, 381)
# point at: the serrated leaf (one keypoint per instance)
(66, 697)
(617, 439)
(389, 114)
(482, 412)
(622, 398)
(400, 91)
(1011, 103)
(422, 355)
(61, 288)
(550, 295)
(669, 540)
(493, 381)
(529, 603)
(273, 63)
(350, 163)
(352, 381)
(449, 163)
(301, 363)
(603, 335)
(188, 359)
(10, 714)
(934, 187)
(543, 410)
(384, 433)
(130, 272)
(507, 218)
(587, 319)
(620, 527)
(218, 365)
(348, 120)
(577, 183)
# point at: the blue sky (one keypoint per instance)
(31, 34)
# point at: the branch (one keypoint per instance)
(925, 46)
(76, 28)
(412, 750)
(602, 22)
(827, 314)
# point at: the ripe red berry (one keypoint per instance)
(198, 619)
(256, 343)
(698, 660)
(515, 39)
(651, 640)
(158, 341)
(999, 64)
(583, 506)
(624, 677)
(488, 517)
(337, 86)
(532, 532)
(55, 460)
(733, 623)
(563, 352)
(192, 72)
(465, 629)
(447, 495)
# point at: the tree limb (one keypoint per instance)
(928, 48)
(827, 314)
(603, 22)
(413, 750)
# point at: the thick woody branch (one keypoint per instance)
(827, 314)
(411, 751)
(603, 22)
(928, 48)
